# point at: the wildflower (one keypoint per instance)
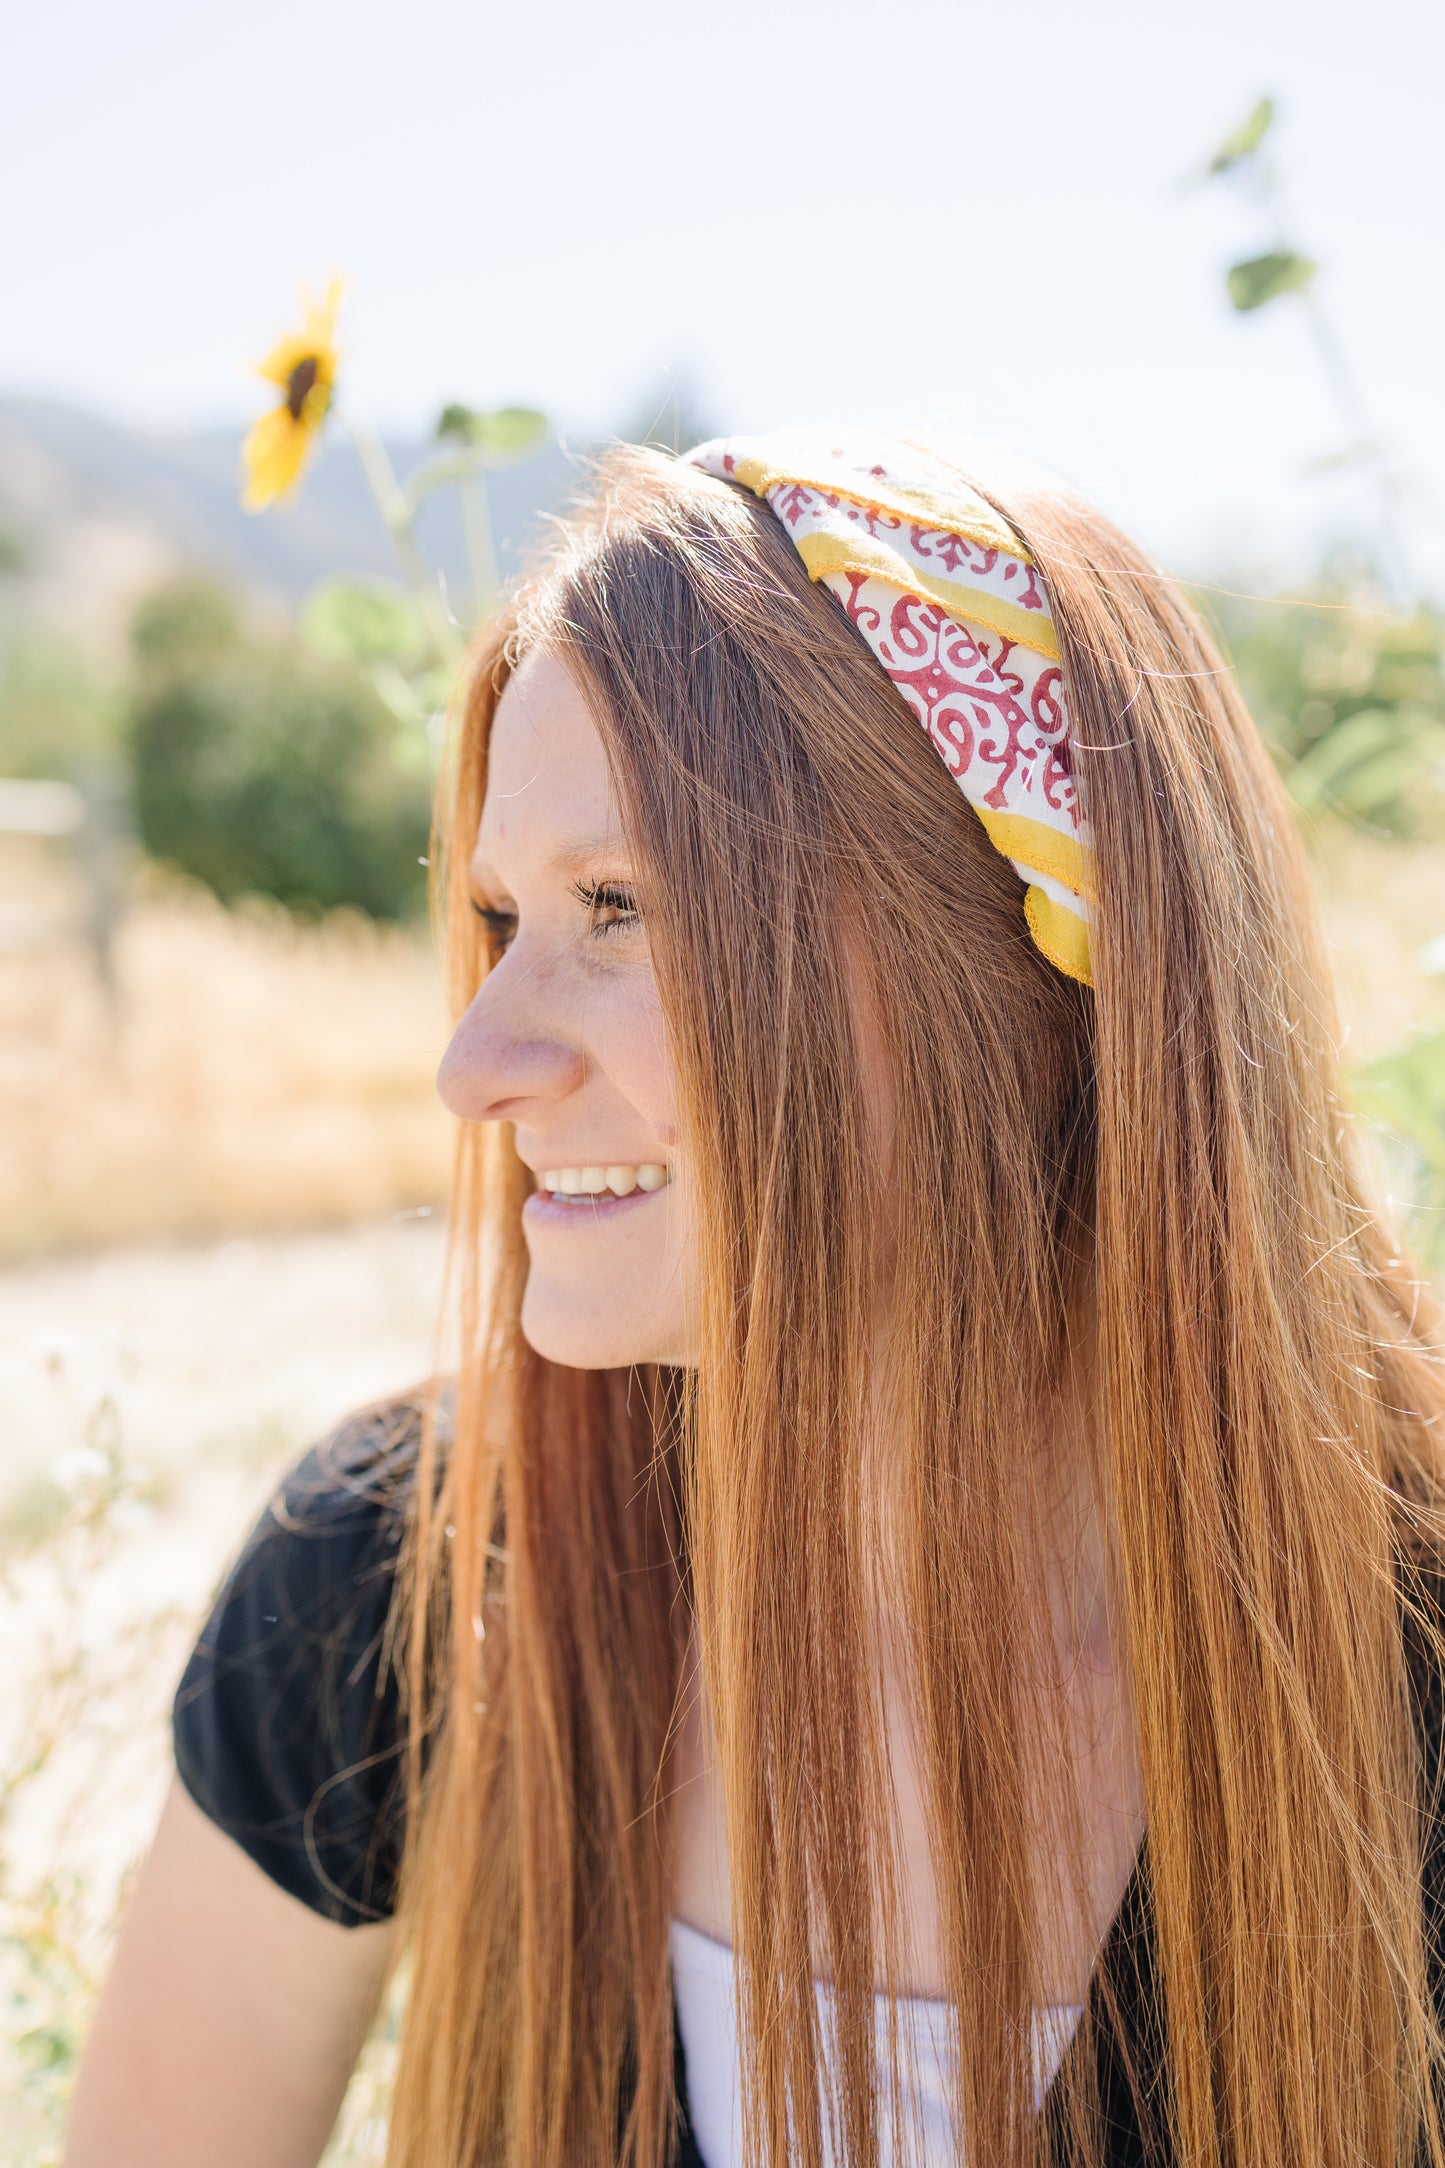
(303, 366)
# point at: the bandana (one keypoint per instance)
(947, 598)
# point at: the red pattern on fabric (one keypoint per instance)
(959, 556)
(971, 703)
(795, 500)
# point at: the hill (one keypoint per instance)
(93, 512)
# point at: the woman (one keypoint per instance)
(914, 1631)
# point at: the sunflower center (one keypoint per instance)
(300, 384)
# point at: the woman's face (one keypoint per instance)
(565, 1040)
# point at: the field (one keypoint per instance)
(169, 1340)
(248, 1073)
(221, 1227)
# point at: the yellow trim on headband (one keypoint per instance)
(952, 508)
(1042, 849)
(1059, 934)
(823, 553)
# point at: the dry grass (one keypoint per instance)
(251, 1074)
(154, 1395)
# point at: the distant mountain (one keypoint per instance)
(93, 512)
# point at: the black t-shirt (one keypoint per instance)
(286, 1723)
(287, 1735)
(286, 1720)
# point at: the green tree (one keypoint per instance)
(263, 770)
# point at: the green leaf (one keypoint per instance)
(505, 434)
(1244, 141)
(364, 621)
(1374, 763)
(1259, 279)
(1349, 455)
(1406, 1091)
(1404, 1096)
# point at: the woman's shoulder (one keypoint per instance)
(346, 1501)
(286, 1722)
(322, 1556)
(360, 1477)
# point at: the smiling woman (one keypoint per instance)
(914, 1631)
(567, 1041)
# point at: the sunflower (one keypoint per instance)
(303, 366)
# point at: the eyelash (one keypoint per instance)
(609, 896)
(593, 895)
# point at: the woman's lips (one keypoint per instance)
(543, 1209)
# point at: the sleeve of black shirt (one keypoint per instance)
(1423, 1595)
(286, 1723)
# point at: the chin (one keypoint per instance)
(552, 1328)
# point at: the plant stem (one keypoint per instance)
(398, 516)
(1345, 385)
(481, 556)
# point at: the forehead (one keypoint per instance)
(547, 777)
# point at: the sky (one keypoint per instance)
(939, 213)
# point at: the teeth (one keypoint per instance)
(619, 1181)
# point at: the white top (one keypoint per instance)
(704, 1982)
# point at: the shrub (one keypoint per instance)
(261, 770)
(59, 713)
(1350, 696)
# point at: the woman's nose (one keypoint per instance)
(497, 1058)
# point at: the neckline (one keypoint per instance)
(722, 1954)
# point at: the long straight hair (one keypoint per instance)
(1168, 1153)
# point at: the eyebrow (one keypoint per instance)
(569, 857)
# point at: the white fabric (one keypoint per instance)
(705, 1986)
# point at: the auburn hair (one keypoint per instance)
(1169, 1152)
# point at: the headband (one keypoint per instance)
(949, 601)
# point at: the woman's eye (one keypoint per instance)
(611, 904)
(611, 907)
(499, 927)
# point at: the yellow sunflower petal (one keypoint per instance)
(316, 340)
(324, 311)
(274, 454)
(316, 406)
(303, 367)
(283, 357)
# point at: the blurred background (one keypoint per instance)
(1190, 259)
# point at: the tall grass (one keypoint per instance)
(253, 1072)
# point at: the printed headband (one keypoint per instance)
(947, 598)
